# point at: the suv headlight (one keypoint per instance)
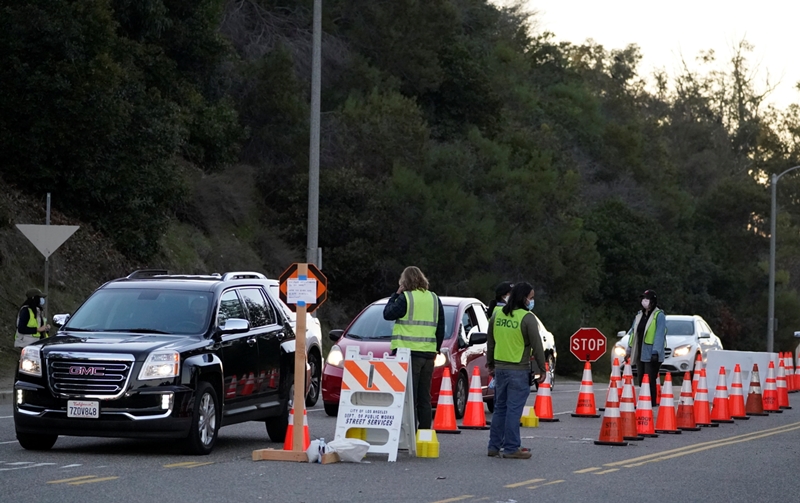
(160, 365)
(619, 351)
(30, 361)
(335, 357)
(440, 360)
(682, 350)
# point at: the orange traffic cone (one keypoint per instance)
(288, 442)
(702, 409)
(783, 392)
(474, 417)
(615, 377)
(755, 404)
(543, 406)
(230, 392)
(666, 422)
(771, 391)
(586, 406)
(686, 420)
(645, 425)
(628, 372)
(658, 390)
(736, 397)
(445, 419)
(720, 412)
(627, 411)
(698, 364)
(610, 431)
(788, 365)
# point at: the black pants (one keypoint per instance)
(650, 368)
(421, 377)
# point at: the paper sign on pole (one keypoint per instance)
(298, 290)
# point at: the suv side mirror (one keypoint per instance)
(235, 326)
(704, 335)
(622, 334)
(61, 319)
(335, 334)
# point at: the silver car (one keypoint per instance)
(687, 337)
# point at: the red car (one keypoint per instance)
(464, 348)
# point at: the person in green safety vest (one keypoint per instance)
(418, 317)
(31, 325)
(647, 341)
(512, 338)
(501, 294)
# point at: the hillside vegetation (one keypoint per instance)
(454, 137)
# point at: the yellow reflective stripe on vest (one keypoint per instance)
(32, 323)
(509, 345)
(416, 330)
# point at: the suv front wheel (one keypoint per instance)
(36, 442)
(204, 429)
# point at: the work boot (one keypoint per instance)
(518, 454)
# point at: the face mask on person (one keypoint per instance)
(646, 303)
(41, 301)
(530, 304)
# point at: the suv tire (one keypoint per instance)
(36, 442)
(332, 409)
(461, 395)
(315, 386)
(277, 426)
(205, 421)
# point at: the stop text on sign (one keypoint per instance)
(592, 345)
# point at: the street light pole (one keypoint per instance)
(312, 243)
(772, 229)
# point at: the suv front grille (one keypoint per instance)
(102, 377)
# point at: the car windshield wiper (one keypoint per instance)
(138, 331)
(355, 336)
(383, 336)
(70, 329)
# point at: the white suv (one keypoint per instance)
(687, 337)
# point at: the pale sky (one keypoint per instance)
(665, 30)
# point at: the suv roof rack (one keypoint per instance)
(242, 275)
(147, 273)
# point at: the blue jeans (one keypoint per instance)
(511, 391)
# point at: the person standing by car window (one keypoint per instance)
(500, 299)
(513, 336)
(31, 325)
(646, 344)
(418, 318)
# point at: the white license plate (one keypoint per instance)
(83, 409)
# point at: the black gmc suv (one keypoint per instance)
(155, 355)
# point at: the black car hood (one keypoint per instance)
(139, 345)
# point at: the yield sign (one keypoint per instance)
(587, 344)
(47, 238)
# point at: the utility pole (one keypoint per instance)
(312, 246)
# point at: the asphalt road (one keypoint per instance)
(755, 460)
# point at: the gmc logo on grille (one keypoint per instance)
(85, 371)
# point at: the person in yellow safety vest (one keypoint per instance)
(647, 340)
(512, 338)
(419, 326)
(30, 323)
(501, 294)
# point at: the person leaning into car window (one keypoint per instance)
(31, 325)
(646, 344)
(501, 294)
(513, 336)
(419, 326)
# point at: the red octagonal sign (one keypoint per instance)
(587, 344)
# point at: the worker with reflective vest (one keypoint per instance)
(647, 340)
(419, 326)
(30, 323)
(512, 339)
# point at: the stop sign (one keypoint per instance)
(587, 344)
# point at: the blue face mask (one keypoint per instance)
(41, 301)
(530, 305)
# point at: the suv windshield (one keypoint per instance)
(371, 325)
(143, 310)
(680, 327)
